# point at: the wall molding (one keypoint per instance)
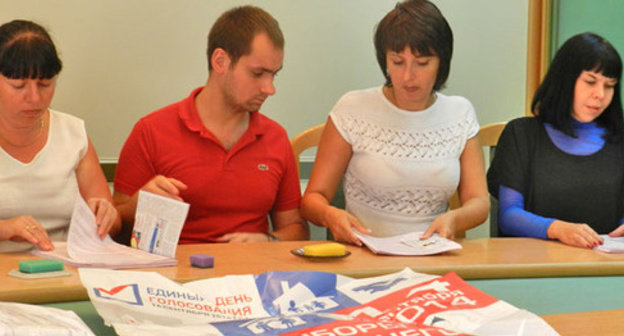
(538, 46)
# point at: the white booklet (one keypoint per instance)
(611, 244)
(84, 248)
(408, 244)
(158, 223)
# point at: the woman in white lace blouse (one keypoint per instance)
(403, 148)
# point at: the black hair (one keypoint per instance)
(27, 51)
(554, 98)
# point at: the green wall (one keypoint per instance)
(603, 17)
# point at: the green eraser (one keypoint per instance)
(40, 266)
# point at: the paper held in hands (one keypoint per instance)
(408, 244)
(611, 244)
(84, 248)
(158, 223)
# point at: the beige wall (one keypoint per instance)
(125, 58)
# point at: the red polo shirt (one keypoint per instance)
(229, 191)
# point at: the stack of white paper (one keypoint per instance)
(85, 249)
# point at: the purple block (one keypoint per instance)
(202, 260)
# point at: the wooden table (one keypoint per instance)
(603, 323)
(491, 258)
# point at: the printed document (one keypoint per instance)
(611, 244)
(408, 244)
(158, 223)
(84, 248)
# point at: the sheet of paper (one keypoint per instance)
(611, 244)
(158, 223)
(84, 248)
(408, 244)
(25, 319)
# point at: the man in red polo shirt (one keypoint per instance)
(214, 150)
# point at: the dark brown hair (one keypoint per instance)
(235, 29)
(420, 25)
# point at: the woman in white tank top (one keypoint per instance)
(46, 159)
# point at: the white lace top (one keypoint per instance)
(405, 165)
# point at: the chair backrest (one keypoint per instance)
(304, 140)
(488, 137)
(490, 133)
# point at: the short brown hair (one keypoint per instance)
(420, 25)
(235, 29)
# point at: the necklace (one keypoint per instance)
(30, 142)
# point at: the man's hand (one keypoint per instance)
(165, 186)
(243, 237)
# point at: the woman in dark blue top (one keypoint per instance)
(560, 175)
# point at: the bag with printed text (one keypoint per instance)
(303, 303)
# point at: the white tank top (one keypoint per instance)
(46, 187)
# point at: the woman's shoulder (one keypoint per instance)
(360, 96)
(522, 131)
(452, 99)
(65, 117)
(67, 122)
(360, 104)
(454, 107)
(68, 131)
(524, 124)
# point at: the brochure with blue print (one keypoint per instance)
(158, 223)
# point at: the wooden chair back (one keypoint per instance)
(304, 140)
(488, 137)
